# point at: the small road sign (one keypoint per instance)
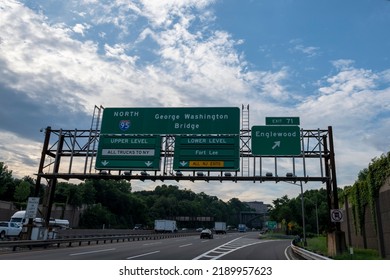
(336, 215)
(32, 207)
(282, 121)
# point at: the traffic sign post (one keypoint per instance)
(176, 121)
(276, 140)
(336, 215)
(128, 152)
(215, 153)
(32, 207)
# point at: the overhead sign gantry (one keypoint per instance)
(164, 140)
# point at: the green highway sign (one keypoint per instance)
(282, 121)
(276, 140)
(271, 224)
(212, 153)
(121, 152)
(185, 120)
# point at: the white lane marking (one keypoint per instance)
(286, 253)
(138, 256)
(154, 243)
(92, 252)
(185, 245)
(228, 248)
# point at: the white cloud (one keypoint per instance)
(80, 28)
(299, 47)
(355, 104)
(20, 155)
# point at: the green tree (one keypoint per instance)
(88, 192)
(7, 184)
(96, 216)
(289, 211)
(365, 191)
(22, 191)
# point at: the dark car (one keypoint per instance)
(138, 226)
(206, 233)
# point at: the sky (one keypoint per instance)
(326, 62)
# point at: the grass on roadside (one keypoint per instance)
(319, 246)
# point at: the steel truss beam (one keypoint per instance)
(76, 150)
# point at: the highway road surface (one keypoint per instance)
(231, 246)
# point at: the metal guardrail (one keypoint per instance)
(86, 240)
(307, 255)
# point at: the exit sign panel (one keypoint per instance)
(270, 140)
(121, 152)
(282, 121)
(211, 153)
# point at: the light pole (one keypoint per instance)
(318, 227)
(303, 216)
(303, 208)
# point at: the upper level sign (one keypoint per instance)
(128, 152)
(210, 120)
(269, 140)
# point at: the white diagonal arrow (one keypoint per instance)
(105, 162)
(183, 163)
(277, 144)
(148, 163)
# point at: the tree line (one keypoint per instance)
(114, 204)
(288, 212)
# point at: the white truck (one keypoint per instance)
(220, 227)
(10, 229)
(165, 226)
(19, 217)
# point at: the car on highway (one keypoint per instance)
(138, 227)
(10, 229)
(206, 233)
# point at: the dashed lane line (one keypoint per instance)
(185, 245)
(91, 252)
(146, 254)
